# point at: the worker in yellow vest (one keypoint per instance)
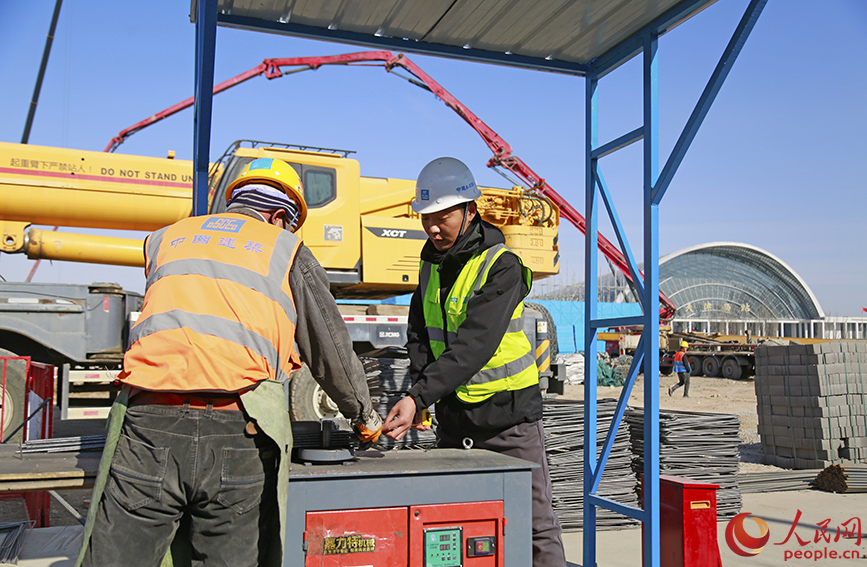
(199, 441)
(468, 352)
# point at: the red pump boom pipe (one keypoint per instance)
(503, 157)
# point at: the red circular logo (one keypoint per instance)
(743, 543)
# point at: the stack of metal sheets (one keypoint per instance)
(699, 446)
(564, 446)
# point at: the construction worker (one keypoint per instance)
(683, 369)
(200, 438)
(468, 353)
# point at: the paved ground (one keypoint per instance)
(56, 547)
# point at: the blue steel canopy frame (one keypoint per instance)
(655, 185)
(654, 188)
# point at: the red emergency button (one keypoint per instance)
(481, 546)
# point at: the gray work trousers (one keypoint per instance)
(525, 441)
(192, 469)
(682, 380)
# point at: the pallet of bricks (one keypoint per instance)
(812, 403)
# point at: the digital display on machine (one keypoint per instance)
(443, 547)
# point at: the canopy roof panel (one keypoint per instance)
(567, 36)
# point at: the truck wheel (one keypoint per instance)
(307, 400)
(710, 366)
(552, 329)
(665, 368)
(731, 369)
(695, 363)
(13, 396)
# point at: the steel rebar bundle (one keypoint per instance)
(699, 446)
(842, 478)
(563, 421)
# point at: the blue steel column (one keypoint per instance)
(650, 334)
(206, 38)
(591, 243)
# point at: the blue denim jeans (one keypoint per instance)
(196, 470)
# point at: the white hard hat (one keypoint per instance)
(443, 183)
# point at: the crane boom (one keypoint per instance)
(503, 156)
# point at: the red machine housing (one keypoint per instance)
(385, 537)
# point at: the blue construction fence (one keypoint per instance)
(568, 318)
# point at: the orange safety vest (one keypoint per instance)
(218, 314)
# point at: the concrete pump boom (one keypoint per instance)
(503, 156)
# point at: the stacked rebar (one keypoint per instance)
(812, 404)
(11, 541)
(563, 421)
(699, 446)
(776, 481)
(388, 380)
(63, 444)
(837, 478)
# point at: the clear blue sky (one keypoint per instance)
(780, 162)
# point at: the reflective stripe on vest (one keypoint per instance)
(513, 366)
(222, 306)
(679, 366)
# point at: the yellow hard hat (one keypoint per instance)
(684, 344)
(276, 173)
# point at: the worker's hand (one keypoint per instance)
(368, 428)
(400, 419)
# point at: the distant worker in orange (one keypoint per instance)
(199, 439)
(683, 369)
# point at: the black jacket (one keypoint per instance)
(488, 314)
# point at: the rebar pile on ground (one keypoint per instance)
(776, 481)
(699, 446)
(388, 381)
(563, 421)
(837, 478)
(11, 541)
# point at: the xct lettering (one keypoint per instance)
(392, 233)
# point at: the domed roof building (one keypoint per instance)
(722, 281)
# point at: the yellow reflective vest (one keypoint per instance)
(513, 366)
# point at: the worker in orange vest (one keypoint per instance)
(683, 369)
(200, 438)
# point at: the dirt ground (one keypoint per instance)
(717, 395)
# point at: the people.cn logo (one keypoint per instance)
(743, 543)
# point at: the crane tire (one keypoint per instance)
(552, 329)
(307, 400)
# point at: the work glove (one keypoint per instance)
(367, 429)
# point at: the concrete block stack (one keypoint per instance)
(812, 404)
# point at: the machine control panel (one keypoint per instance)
(443, 547)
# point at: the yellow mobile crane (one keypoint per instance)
(361, 229)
